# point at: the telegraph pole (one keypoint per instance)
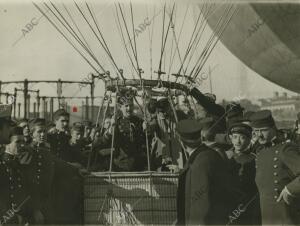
(25, 97)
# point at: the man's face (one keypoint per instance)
(264, 135)
(39, 134)
(16, 144)
(127, 109)
(25, 127)
(76, 136)
(62, 123)
(5, 133)
(240, 141)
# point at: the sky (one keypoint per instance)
(31, 48)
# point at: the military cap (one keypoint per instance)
(77, 127)
(36, 122)
(5, 112)
(240, 127)
(262, 119)
(16, 131)
(60, 112)
(189, 131)
(125, 96)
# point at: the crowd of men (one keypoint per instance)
(235, 167)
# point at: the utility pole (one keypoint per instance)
(0, 90)
(25, 97)
(92, 98)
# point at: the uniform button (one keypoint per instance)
(39, 163)
(40, 156)
(275, 159)
(10, 178)
(19, 185)
(275, 197)
(39, 170)
(276, 189)
(275, 174)
(276, 152)
(7, 170)
(11, 187)
(38, 177)
(11, 195)
(255, 167)
(276, 181)
(275, 166)
(19, 179)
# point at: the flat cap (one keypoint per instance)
(262, 119)
(60, 112)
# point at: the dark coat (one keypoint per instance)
(278, 165)
(57, 187)
(207, 194)
(242, 167)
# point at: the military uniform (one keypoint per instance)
(59, 143)
(14, 190)
(277, 166)
(277, 169)
(57, 187)
(130, 144)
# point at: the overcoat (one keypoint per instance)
(207, 194)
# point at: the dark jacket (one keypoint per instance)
(242, 167)
(207, 194)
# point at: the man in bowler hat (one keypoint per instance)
(207, 193)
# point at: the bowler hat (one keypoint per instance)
(189, 131)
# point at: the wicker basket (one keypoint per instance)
(130, 198)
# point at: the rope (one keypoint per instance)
(56, 27)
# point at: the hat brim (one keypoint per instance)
(191, 142)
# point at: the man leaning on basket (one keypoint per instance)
(207, 194)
